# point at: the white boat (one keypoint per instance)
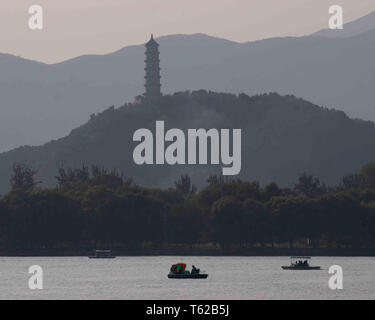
(102, 254)
(300, 263)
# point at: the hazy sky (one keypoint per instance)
(76, 27)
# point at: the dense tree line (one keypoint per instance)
(96, 207)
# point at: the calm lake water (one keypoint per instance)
(146, 278)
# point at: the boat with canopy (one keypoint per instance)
(178, 271)
(300, 263)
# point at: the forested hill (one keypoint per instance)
(282, 136)
(40, 102)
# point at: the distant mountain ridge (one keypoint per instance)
(40, 102)
(282, 136)
(351, 29)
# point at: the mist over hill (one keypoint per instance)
(40, 102)
(282, 136)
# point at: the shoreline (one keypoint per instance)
(261, 252)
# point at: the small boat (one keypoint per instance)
(300, 263)
(178, 271)
(102, 254)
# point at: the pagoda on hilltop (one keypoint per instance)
(152, 69)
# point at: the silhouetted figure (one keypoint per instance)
(180, 269)
(194, 270)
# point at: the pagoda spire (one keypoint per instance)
(152, 69)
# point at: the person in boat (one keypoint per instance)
(180, 269)
(194, 270)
